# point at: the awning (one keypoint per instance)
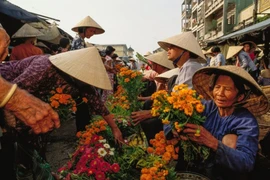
(16, 12)
(251, 29)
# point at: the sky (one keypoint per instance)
(136, 23)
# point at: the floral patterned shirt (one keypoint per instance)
(78, 43)
(38, 76)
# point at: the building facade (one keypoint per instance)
(211, 19)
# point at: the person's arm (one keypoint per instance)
(244, 60)
(140, 116)
(30, 110)
(240, 159)
(95, 103)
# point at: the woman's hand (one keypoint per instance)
(140, 116)
(200, 135)
(117, 135)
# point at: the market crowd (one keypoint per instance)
(231, 85)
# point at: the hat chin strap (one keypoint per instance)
(178, 59)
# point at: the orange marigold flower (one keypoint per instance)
(199, 108)
(85, 99)
(127, 80)
(150, 150)
(145, 171)
(153, 170)
(74, 108)
(55, 104)
(166, 156)
(59, 90)
(170, 148)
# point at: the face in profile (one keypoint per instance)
(89, 32)
(174, 52)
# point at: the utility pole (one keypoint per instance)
(255, 10)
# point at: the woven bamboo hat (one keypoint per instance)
(148, 53)
(257, 102)
(161, 58)
(85, 65)
(42, 45)
(27, 31)
(233, 50)
(89, 22)
(185, 40)
(166, 75)
(251, 43)
(265, 73)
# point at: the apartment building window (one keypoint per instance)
(231, 19)
(219, 26)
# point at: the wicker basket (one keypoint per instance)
(191, 176)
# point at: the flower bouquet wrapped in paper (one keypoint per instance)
(177, 108)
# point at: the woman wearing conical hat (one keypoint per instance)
(232, 100)
(29, 35)
(185, 52)
(86, 28)
(243, 60)
(41, 74)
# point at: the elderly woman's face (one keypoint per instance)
(224, 92)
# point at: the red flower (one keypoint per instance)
(105, 166)
(69, 164)
(68, 177)
(115, 167)
(62, 169)
(91, 171)
(100, 175)
(93, 163)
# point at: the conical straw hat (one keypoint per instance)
(257, 102)
(166, 75)
(233, 50)
(85, 65)
(252, 44)
(27, 31)
(42, 45)
(265, 73)
(161, 58)
(185, 40)
(89, 22)
(148, 53)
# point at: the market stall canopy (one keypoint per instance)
(16, 12)
(251, 29)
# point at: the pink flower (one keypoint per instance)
(115, 167)
(100, 175)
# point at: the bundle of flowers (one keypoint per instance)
(118, 101)
(181, 106)
(91, 161)
(165, 148)
(132, 83)
(93, 129)
(63, 103)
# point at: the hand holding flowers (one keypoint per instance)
(178, 108)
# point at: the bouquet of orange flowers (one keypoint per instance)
(63, 103)
(181, 106)
(132, 83)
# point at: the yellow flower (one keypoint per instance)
(165, 121)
